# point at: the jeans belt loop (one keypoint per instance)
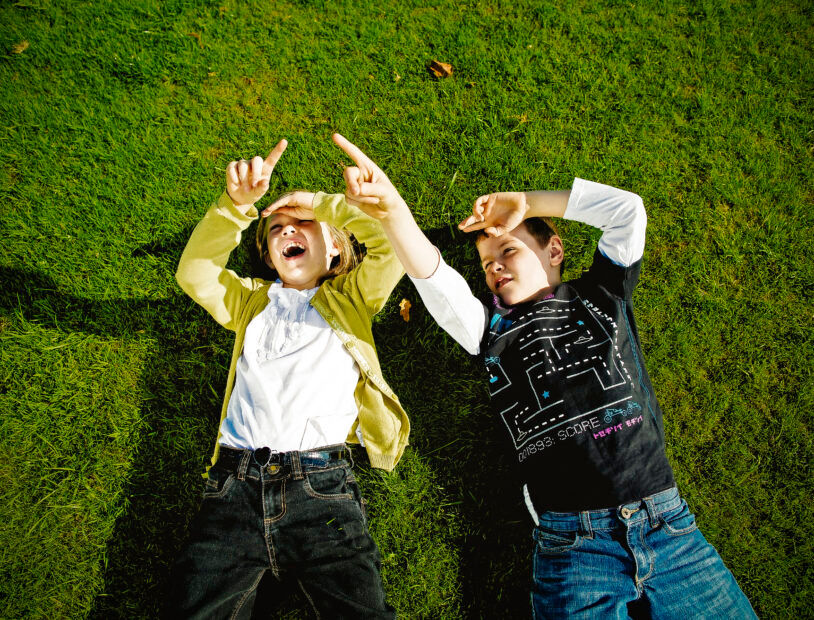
(650, 505)
(244, 465)
(296, 466)
(585, 524)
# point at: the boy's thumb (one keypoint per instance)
(472, 223)
(378, 190)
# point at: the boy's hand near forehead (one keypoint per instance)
(501, 212)
(368, 187)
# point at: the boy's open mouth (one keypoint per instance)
(501, 281)
(293, 249)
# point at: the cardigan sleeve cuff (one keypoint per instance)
(226, 207)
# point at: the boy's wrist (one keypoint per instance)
(546, 203)
(526, 204)
(399, 209)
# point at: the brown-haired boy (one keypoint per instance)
(567, 380)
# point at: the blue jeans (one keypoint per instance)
(643, 559)
(298, 515)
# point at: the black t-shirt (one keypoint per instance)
(569, 385)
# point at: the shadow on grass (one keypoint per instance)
(182, 384)
(444, 391)
(179, 414)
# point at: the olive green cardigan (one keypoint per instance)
(347, 302)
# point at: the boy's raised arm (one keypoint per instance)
(501, 212)
(618, 213)
(369, 189)
(444, 292)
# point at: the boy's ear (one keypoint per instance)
(556, 253)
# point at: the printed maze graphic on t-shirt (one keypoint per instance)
(566, 346)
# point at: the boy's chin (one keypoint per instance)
(513, 298)
(505, 299)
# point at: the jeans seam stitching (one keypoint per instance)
(275, 570)
(650, 554)
(562, 548)
(220, 494)
(284, 507)
(245, 596)
(316, 495)
(671, 531)
(308, 596)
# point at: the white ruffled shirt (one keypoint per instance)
(295, 381)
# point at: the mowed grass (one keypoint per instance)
(118, 121)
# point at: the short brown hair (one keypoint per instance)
(345, 262)
(541, 228)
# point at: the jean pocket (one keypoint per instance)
(554, 542)
(330, 484)
(218, 483)
(679, 521)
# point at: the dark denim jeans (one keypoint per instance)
(645, 559)
(297, 514)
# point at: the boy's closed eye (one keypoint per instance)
(505, 251)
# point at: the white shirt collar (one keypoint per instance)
(292, 295)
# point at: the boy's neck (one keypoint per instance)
(543, 293)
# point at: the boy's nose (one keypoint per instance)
(289, 229)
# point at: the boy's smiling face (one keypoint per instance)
(300, 251)
(518, 268)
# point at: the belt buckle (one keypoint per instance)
(270, 467)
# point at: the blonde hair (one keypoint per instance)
(345, 262)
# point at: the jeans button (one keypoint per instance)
(626, 512)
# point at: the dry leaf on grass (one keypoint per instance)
(404, 310)
(20, 47)
(440, 69)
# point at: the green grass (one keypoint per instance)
(118, 121)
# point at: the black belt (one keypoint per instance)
(230, 458)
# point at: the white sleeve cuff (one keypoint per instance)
(451, 303)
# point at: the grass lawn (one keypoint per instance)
(118, 119)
